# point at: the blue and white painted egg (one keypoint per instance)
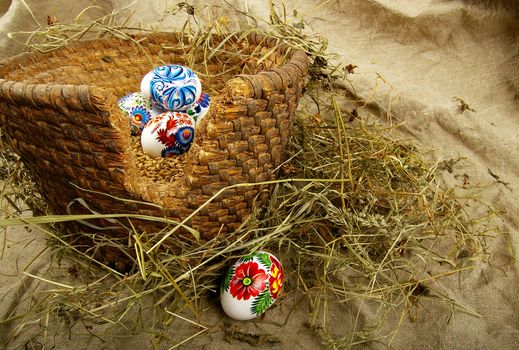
(168, 134)
(138, 109)
(172, 87)
(199, 110)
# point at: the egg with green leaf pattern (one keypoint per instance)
(138, 109)
(251, 285)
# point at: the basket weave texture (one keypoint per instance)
(59, 112)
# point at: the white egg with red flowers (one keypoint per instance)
(168, 134)
(251, 285)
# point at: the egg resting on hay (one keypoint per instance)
(251, 285)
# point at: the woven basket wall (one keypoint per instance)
(59, 112)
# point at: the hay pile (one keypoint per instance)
(357, 217)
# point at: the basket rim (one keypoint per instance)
(89, 97)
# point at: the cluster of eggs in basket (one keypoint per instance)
(164, 113)
(166, 110)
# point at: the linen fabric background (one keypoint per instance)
(416, 56)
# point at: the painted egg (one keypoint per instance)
(200, 108)
(251, 285)
(168, 134)
(173, 87)
(156, 110)
(138, 109)
(145, 84)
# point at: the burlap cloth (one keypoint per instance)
(419, 55)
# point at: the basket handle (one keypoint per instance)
(61, 97)
(275, 80)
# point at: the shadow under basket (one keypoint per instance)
(59, 113)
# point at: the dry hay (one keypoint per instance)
(357, 217)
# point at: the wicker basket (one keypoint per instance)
(59, 112)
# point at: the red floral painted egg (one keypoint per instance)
(168, 134)
(251, 285)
